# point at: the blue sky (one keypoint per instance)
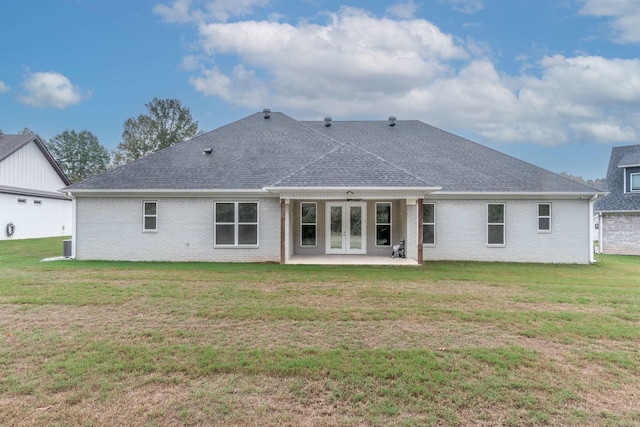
(555, 83)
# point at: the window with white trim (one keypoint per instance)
(235, 224)
(149, 216)
(495, 223)
(635, 181)
(308, 223)
(383, 224)
(428, 223)
(544, 217)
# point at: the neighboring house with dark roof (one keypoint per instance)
(619, 211)
(271, 188)
(30, 204)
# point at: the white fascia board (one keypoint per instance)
(166, 193)
(609, 212)
(514, 195)
(330, 193)
(345, 188)
(630, 165)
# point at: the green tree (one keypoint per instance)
(80, 155)
(167, 123)
(599, 183)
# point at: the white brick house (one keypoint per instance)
(30, 204)
(619, 211)
(271, 188)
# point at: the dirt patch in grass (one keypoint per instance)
(485, 354)
(231, 400)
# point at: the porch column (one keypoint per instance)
(420, 261)
(283, 234)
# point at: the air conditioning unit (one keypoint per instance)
(66, 249)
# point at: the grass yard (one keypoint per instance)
(449, 343)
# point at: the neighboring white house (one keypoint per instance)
(619, 211)
(271, 188)
(30, 204)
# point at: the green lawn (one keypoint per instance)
(448, 343)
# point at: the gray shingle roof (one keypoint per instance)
(617, 199)
(254, 153)
(9, 144)
(630, 159)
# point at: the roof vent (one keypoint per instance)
(267, 113)
(392, 121)
(208, 151)
(327, 121)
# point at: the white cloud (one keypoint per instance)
(50, 90)
(356, 65)
(222, 10)
(606, 131)
(3, 87)
(177, 13)
(624, 15)
(465, 6)
(219, 10)
(403, 10)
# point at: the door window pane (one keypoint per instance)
(355, 234)
(336, 227)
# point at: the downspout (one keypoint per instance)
(592, 259)
(420, 236)
(600, 231)
(73, 224)
(283, 231)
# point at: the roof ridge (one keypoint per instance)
(340, 145)
(301, 168)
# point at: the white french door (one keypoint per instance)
(346, 228)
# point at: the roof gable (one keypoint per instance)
(10, 144)
(617, 199)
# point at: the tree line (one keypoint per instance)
(599, 183)
(80, 154)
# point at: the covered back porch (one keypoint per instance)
(351, 226)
